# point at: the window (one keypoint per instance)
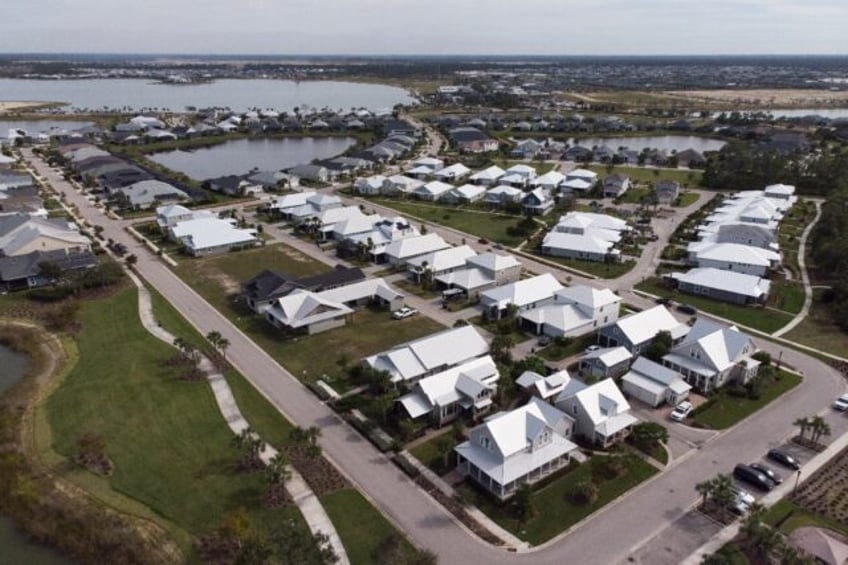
(574, 409)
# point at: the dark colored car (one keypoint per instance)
(687, 309)
(483, 241)
(751, 476)
(784, 459)
(768, 472)
(665, 301)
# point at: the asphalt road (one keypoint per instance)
(608, 537)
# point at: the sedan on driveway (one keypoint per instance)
(681, 411)
(404, 312)
(784, 459)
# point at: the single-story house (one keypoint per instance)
(654, 384)
(432, 191)
(667, 191)
(518, 447)
(586, 247)
(371, 186)
(488, 176)
(503, 195)
(414, 360)
(400, 251)
(439, 262)
(465, 194)
(452, 173)
(726, 286)
(550, 180)
(607, 362)
(482, 271)
(211, 235)
(547, 388)
(733, 257)
(260, 291)
(401, 184)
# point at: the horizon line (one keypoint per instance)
(420, 55)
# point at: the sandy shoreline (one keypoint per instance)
(11, 106)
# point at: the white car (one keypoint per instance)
(744, 496)
(681, 411)
(841, 403)
(591, 349)
(404, 312)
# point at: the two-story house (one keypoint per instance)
(600, 412)
(575, 310)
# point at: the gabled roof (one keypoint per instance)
(444, 259)
(469, 191)
(733, 253)
(466, 380)
(523, 170)
(577, 242)
(584, 174)
(19, 230)
(587, 295)
(368, 288)
(601, 402)
(208, 232)
(302, 308)
(551, 178)
(523, 292)
(654, 371)
(446, 348)
(544, 387)
(512, 431)
(727, 281)
(172, 211)
(413, 246)
(491, 173)
(434, 188)
(643, 326)
(723, 346)
(453, 171)
(494, 262)
(610, 356)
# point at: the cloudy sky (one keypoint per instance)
(578, 27)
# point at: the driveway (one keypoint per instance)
(611, 536)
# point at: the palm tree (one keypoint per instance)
(278, 470)
(214, 337)
(819, 427)
(223, 344)
(803, 424)
(725, 492)
(705, 489)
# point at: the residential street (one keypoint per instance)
(610, 536)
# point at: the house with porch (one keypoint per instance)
(465, 194)
(439, 263)
(488, 176)
(400, 251)
(601, 413)
(615, 185)
(482, 272)
(726, 286)
(466, 388)
(263, 289)
(537, 202)
(666, 191)
(518, 447)
(736, 257)
(636, 331)
(524, 294)
(713, 355)
(576, 310)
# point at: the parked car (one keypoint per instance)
(483, 241)
(404, 312)
(664, 301)
(739, 507)
(687, 309)
(751, 476)
(681, 411)
(591, 349)
(784, 459)
(544, 340)
(744, 495)
(768, 472)
(841, 403)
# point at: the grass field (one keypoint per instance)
(306, 357)
(818, 329)
(166, 437)
(763, 319)
(555, 512)
(724, 410)
(597, 268)
(429, 454)
(644, 175)
(476, 223)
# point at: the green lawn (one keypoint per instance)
(407, 285)
(306, 357)
(360, 527)
(554, 510)
(166, 437)
(819, 330)
(429, 454)
(687, 199)
(515, 333)
(476, 223)
(724, 410)
(790, 517)
(557, 352)
(787, 296)
(597, 268)
(763, 319)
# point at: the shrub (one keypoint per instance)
(584, 492)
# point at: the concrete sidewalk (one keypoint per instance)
(308, 504)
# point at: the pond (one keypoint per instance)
(14, 366)
(39, 126)
(238, 95)
(15, 547)
(664, 142)
(240, 156)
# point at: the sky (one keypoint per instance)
(422, 27)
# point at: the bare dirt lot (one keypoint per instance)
(767, 98)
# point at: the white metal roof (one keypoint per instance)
(564, 317)
(733, 253)
(444, 259)
(522, 292)
(413, 246)
(728, 281)
(302, 308)
(494, 262)
(643, 326)
(577, 242)
(491, 174)
(466, 279)
(587, 295)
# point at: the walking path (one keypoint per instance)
(805, 277)
(308, 504)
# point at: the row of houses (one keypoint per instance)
(587, 236)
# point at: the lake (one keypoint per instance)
(15, 547)
(240, 156)
(832, 113)
(664, 142)
(238, 95)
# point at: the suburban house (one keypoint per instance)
(732, 257)
(431, 354)
(780, 192)
(537, 202)
(445, 396)
(234, 185)
(636, 331)
(547, 388)
(325, 223)
(549, 181)
(465, 194)
(502, 195)
(207, 235)
(526, 149)
(525, 294)
(727, 286)
(518, 447)
(399, 252)
(576, 310)
(666, 191)
(585, 247)
(601, 413)
(579, 180)
(432, 191)
(304, 311)
(472, 140)
(712, 355)
(171, 215)
(615, 185)
(260, 291)
(527, 172)
(401, 184)
(439, 262)
(654, 384)
(370, 186)
(488, 176)
(452, 173)
(607, 362)
(22, 234)
(743, 233)
(431, 163)
(314, 204)
(285, 204)
(313, 173)
(144, 194)
(384, 231)
(482, 271)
